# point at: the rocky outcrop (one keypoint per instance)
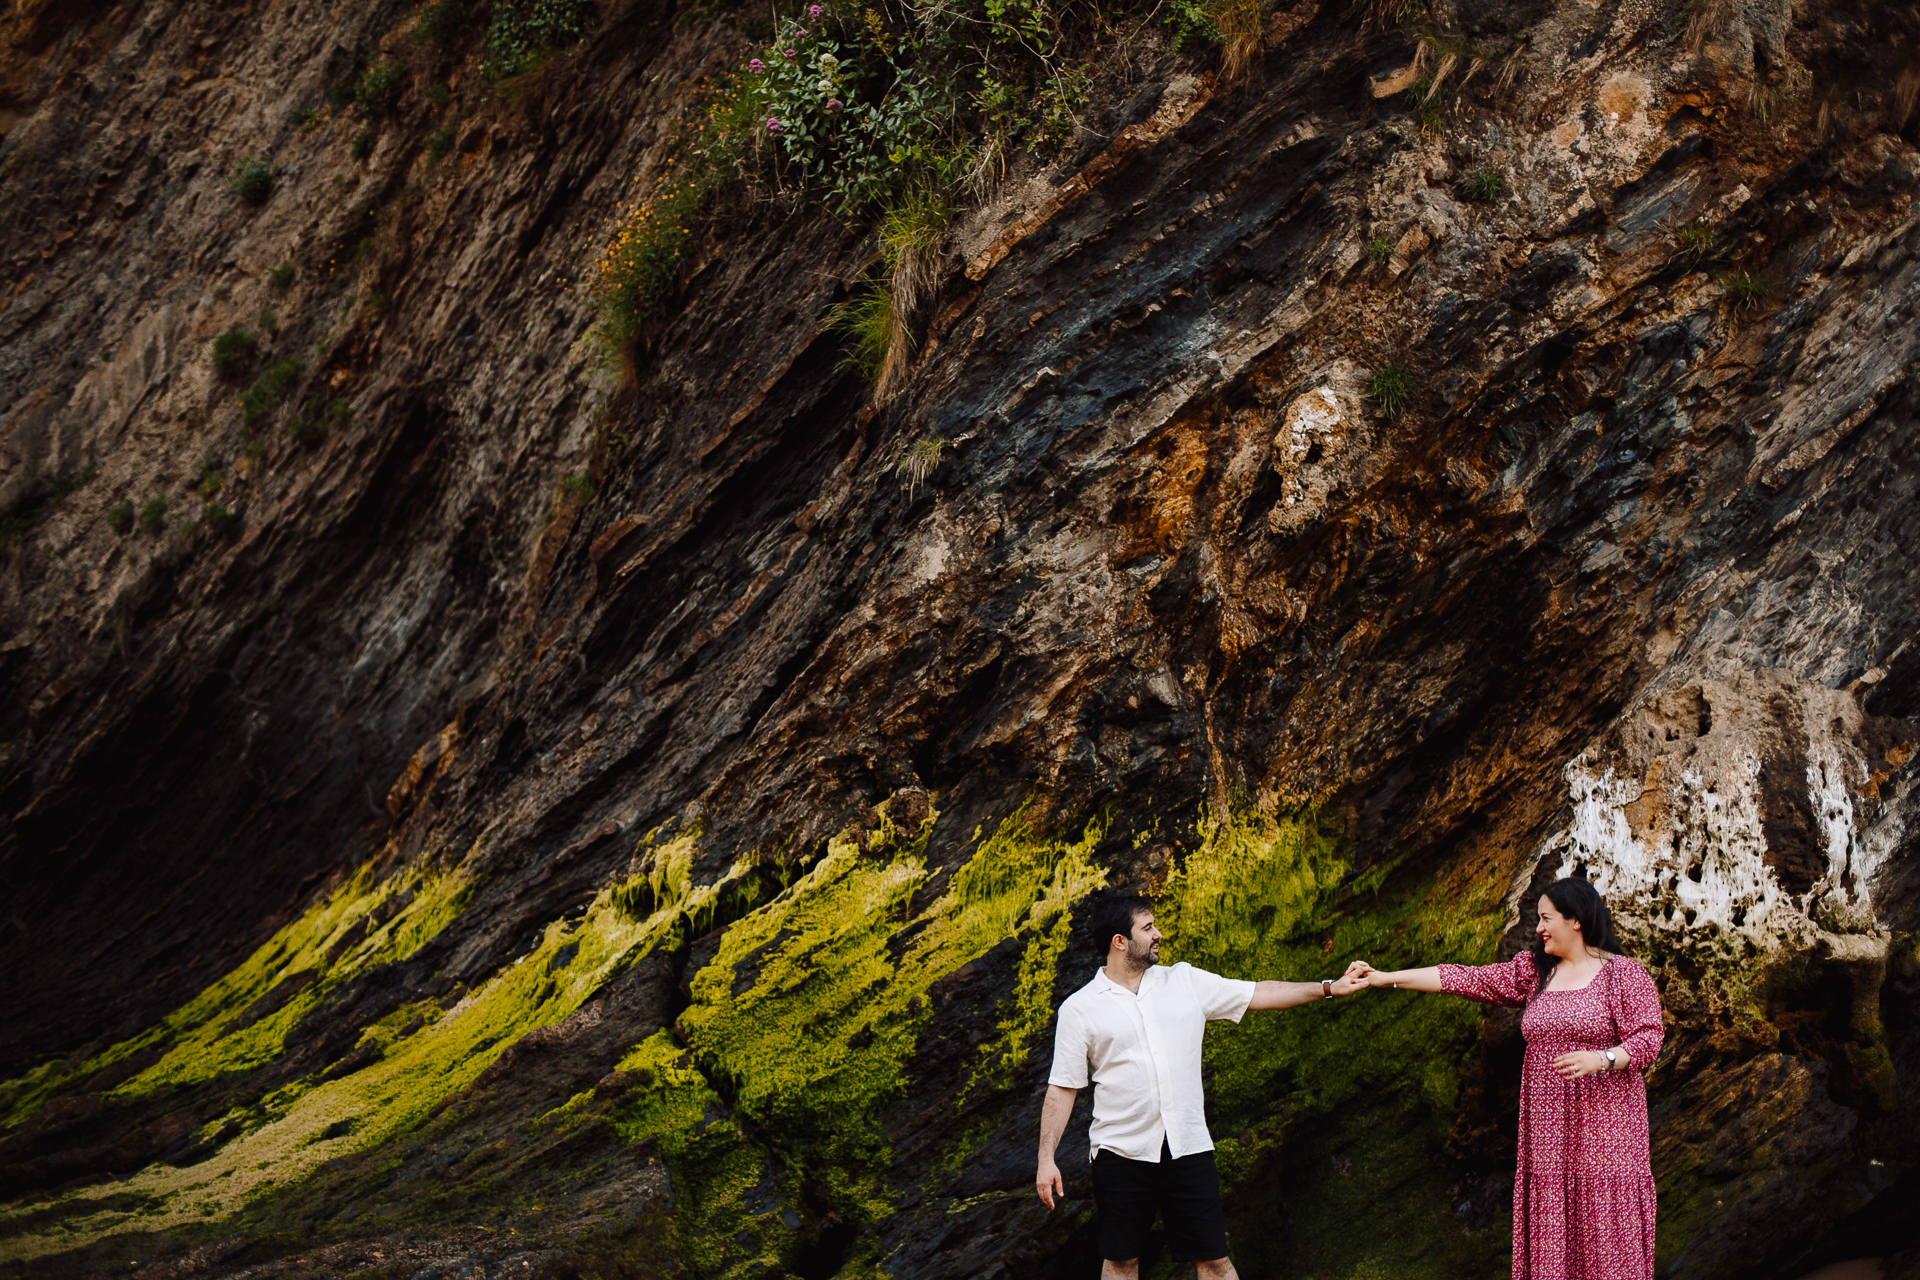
(494, 816)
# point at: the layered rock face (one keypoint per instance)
(499, 815)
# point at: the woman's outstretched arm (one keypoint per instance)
(1427, 979)
(1508, 983)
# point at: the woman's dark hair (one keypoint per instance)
(1577, 900)
(1116, 915)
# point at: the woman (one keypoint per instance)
(1583, 1199)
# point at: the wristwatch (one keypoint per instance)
(1608, 1055)
(1326, 988)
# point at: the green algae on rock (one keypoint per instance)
(328, 1118)
(237, 1023)
(736, 1212)
(811, 1007)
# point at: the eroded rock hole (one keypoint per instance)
(1793, 844)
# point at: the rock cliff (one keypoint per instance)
(476, 806)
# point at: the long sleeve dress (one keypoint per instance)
(1583, 1197)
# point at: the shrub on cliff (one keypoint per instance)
(826, 130)
(868, 111)
(643, 258)
(525, 32)
(269, 389)
(864, 111)
(375, 88)
(441, 22)
(252, 181)
(233, 351)
(220, 519)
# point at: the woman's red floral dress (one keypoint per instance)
(1583, 1200)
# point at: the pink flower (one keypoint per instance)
(792, 53)
(814, 11)
(834, 105)
(756, 66)
(774, 126)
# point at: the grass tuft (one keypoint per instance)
(1380, 250)
(1392, 388)
(867, 322)
(1694, 239)
(918, 460)
(1746, 289)
(1484, 186)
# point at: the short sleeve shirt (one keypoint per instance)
(1141, 1053)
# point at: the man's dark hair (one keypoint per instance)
(1116, 915)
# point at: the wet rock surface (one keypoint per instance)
(1626, 589)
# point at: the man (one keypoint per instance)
(1134, 1032)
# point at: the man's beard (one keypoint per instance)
(1143, 957)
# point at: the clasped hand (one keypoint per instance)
(1354, 979)
(1364, 974)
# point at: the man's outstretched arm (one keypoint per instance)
(1274, 994)
(1054, 1114)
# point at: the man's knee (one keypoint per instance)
(1128, 1270)
(1216, 1269)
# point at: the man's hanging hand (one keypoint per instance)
(1047, 1183)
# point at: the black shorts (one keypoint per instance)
(1184, 1192)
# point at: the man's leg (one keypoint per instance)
(1196, 1228)
(1123, 1212)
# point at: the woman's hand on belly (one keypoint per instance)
(1581, 1062)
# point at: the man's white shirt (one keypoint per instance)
(1142, 1055)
